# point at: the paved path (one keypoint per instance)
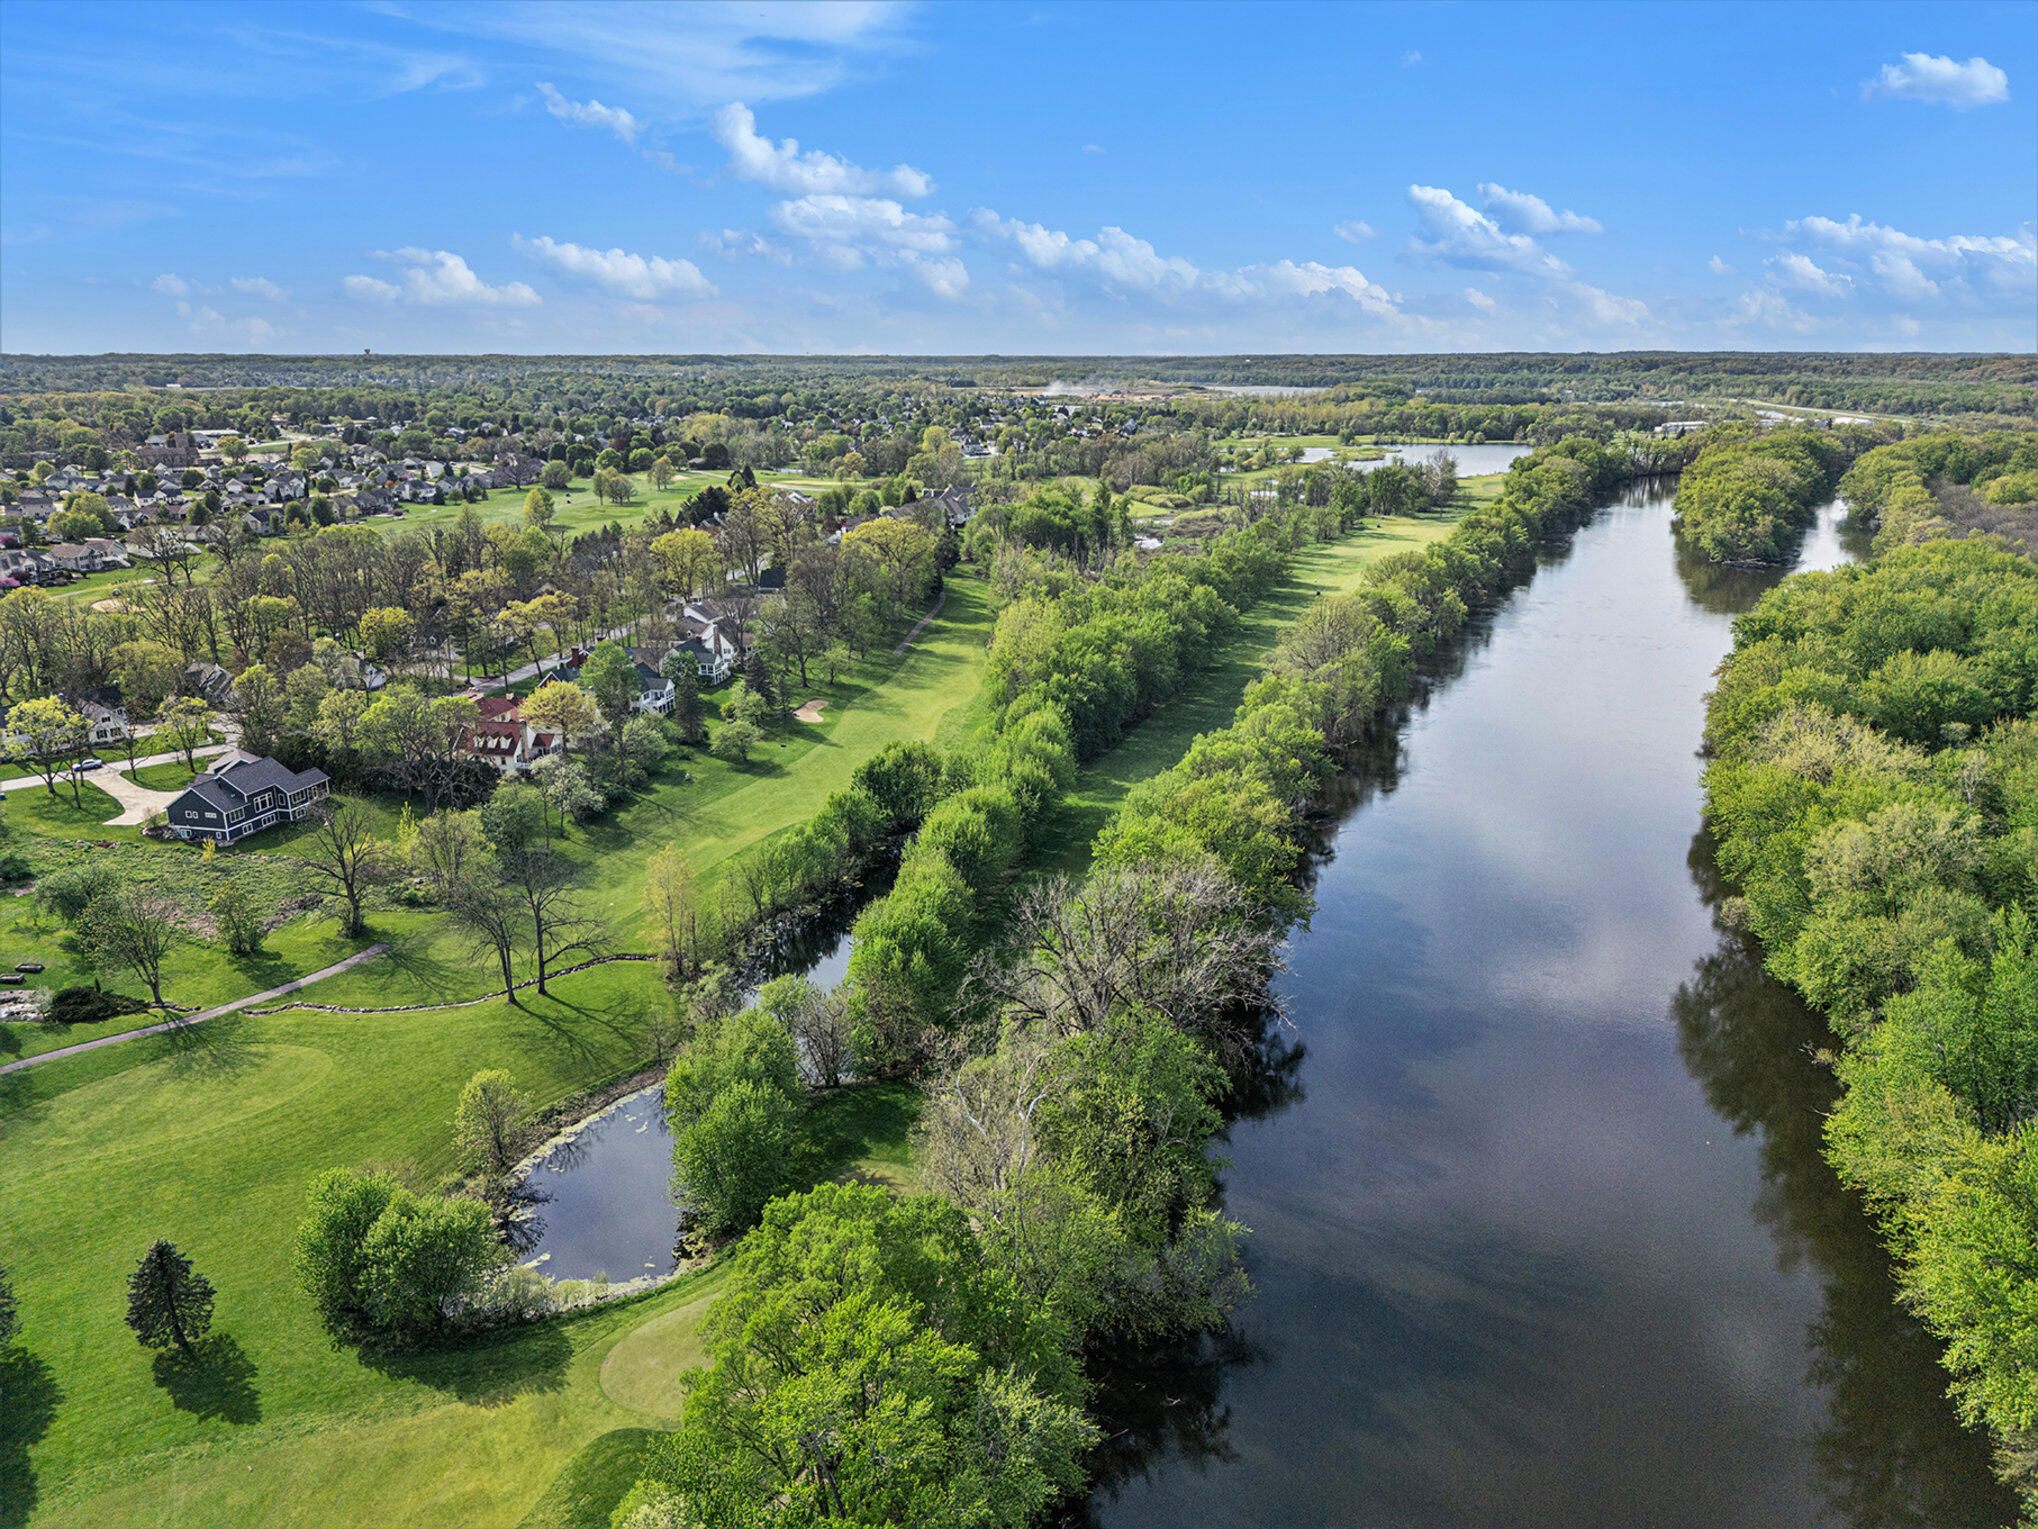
(199, 1018)
(138, 802)
(921, 625)
(91, 777)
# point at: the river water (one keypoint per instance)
(1541, 1235)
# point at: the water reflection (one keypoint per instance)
(1524, 1256)
(1890, 1450)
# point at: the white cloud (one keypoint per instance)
(1456, 234)
(1528, 214)
(1906, 325)
(640, 276)
(695, 56)
(1767, 306)
(1411, 58)
(1124, 264)
(1093, 148)
(1935, 78)
(1719, 267)
(740, 244)
(1802, 272)
(590, 113)
(170, 286)
(782, 167)
(1115, 257)
(1354, 231)
(1911, 268)
(1899, 276)
(946, 278)
(439, 278)
(856, 222)
(259, 286)
(1479, 300)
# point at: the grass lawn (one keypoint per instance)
(211, 1138)
(32, 812)
(1208, 698)
(714, 809)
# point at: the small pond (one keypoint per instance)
(605, 1204)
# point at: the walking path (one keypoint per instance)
(199, 1018)
(921, 625)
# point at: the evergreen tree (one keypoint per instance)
(166, 1302)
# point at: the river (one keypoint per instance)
(1541, 1234)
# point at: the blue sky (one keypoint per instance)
(1017, 178)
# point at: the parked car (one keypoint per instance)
(91, 764)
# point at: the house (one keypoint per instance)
(104, 724)
(244, 796)
(71, 557)
(504, 741)
(106, 553)
(208, 682)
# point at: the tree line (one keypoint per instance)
(1874, 787)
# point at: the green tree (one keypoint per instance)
(869, 1367)
(489, 1123)
(49, 734)
(167, 1303)
(735, 1157)
(735, 739)
(134, 928)
(538, 509)
(238, 919)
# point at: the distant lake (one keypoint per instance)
(1473, 461)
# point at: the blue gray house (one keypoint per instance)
(244, 794)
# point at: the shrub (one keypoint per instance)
(89, 1005)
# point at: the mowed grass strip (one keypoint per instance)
(1210, 696)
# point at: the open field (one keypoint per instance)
(220, 1131)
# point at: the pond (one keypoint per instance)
(605, 1203)
(1541, 1233)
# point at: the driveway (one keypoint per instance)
(140, 802)
(97, 777)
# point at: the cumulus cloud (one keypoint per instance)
(1354, 231)
(644, 277)
(860, 222)
(1454, 233)
(783, 167)
(1411, 58)
(170, 285)
(945, 278)
(1803, 273)
(1125, 264)
(1479, 300)
(1912, 268)
(438, 278)
(1935, 78)
(590, 113)
(1719, 267)
(258, 286)
(1528, 214)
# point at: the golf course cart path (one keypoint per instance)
(199, 1018)
(921, 625)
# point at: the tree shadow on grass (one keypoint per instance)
(409, 959)
(488, 1370)
(219, 1048)
(29, 1395)
(215, 1380)
(853, 1123)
